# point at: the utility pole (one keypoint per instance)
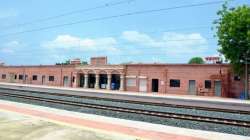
(246, 81)
(246, 76)
(61, 76)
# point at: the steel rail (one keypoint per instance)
(137, 102)
(231, 122)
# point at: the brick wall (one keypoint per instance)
(184, 73)
(57, 71)
(98, 60)
(162, 72)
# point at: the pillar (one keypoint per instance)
(109, 81)
(97, 78)
(86, 80)
(75, 83)
(121, 83)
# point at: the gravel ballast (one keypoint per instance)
(165, 121)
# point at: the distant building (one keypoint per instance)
(1, 63)
(213, 60)
(186, 79)
(98, 61)
(76, 61)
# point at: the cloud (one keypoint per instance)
(10, 47)
(82, 44)
(169, 42)
(8, 13)
(167, 47)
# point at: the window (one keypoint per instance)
(3, 76)
(73, 79)
(34, 77)
(175, 83)
(51, 78)
(131, 82)
(207, 83)
(236, 78)
(20, 77)
(15, 77)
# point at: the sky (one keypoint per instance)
(34, 32)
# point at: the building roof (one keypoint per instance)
(114, 66)
(32, 66)
(175, 64)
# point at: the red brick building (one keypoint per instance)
(192, 79)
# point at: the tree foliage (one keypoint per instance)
(67, 62)
(84, 63)
(233, 32)
(196, 60)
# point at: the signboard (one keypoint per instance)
(213, 59)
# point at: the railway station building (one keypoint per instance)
(190, 79)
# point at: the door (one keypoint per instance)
(81, 82)
(65, 81)
(26, 79)
(143, 85)
(43, 79)
(155, 85)
(217, 86)
(12, 77)
(91, 81)
(191, 87)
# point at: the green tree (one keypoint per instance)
(233, 32)
(196, 60)
(84, 63)
(67, 62)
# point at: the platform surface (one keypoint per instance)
(65, 125)
(14, 126)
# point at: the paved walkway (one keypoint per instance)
(16, 126)
(96, 125)
(113, 125)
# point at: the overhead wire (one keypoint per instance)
(111, 17)
(105, 5)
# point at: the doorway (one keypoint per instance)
(65, 81)
(43, 79)
(217, 88)
(12, 77)
(91, 81)
(143, 85)
(155, 85)
(191, 87)
(103, 81)
(81, 80)
(115, 81)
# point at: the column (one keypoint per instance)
(75, 83)
(97, 77)
(109, 82)
(86, 80)
(121, 82)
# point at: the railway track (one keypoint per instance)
(231, 122)
(135, 102)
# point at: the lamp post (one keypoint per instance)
(246, 81)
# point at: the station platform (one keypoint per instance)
(189, 100)
(108, 127)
